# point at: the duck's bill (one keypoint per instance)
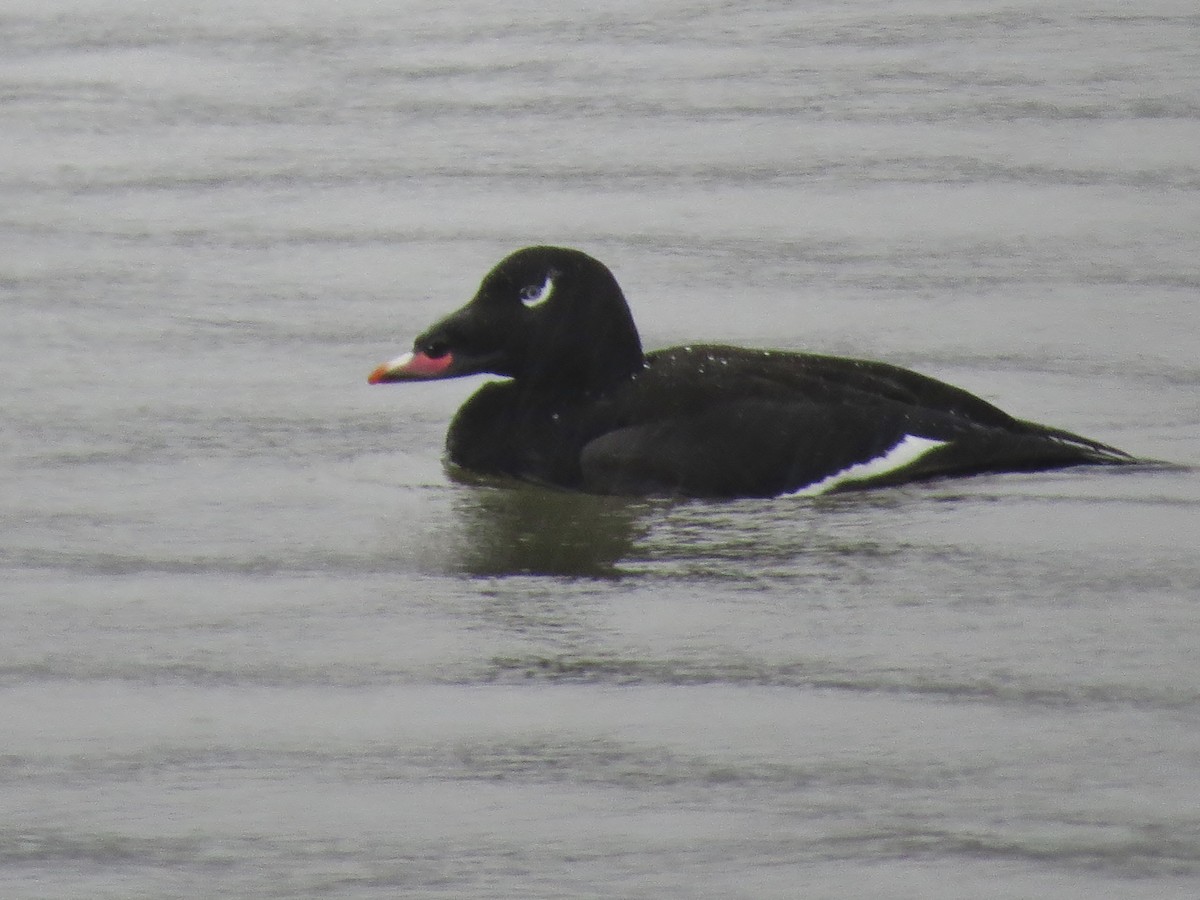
(415, 366)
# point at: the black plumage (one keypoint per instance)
(584, 408)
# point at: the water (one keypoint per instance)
(257, 644)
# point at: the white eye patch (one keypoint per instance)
(532, 294)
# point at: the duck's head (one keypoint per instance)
(545, 316)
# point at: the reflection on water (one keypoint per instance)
(524, 529)
(510, 528)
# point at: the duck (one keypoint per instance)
(582, 407)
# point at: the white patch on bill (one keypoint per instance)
(400, 362)
(908, 451)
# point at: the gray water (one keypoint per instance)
(257, 644)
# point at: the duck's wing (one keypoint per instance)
(764, 448)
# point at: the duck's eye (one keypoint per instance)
(436, 349)
(533, 294)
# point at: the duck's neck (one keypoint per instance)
(590, 357)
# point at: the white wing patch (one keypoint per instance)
(908, 451)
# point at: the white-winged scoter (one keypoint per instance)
(584, 408)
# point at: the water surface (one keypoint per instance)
(258, 644)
